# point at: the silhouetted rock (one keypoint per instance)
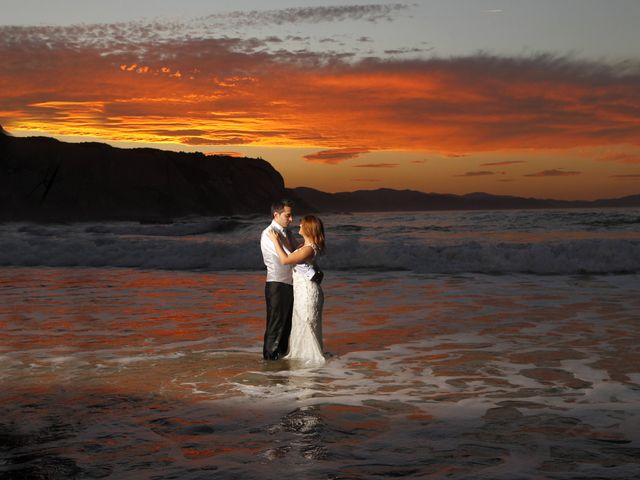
(44, 179)
(388, 200)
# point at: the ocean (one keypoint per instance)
(462, 344)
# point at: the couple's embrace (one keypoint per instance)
(293, 293)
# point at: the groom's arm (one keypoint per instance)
(266, 245)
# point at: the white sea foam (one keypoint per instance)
(554, 257)
(145, 358)
(546, 242)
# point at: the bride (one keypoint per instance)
(305, 342)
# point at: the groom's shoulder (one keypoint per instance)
(267, 228)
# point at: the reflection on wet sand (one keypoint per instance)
(116, 373)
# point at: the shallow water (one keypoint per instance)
(123, 373)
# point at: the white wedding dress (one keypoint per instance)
(305, 342)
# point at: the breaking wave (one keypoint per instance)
(233, 245)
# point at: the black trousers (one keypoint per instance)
(279, 298)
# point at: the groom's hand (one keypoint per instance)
(274, 235)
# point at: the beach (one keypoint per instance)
(128, 372)
(475, 165)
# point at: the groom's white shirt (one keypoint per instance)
(276, 272)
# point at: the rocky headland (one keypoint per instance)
(43, 179)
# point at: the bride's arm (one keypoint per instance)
(299, 256)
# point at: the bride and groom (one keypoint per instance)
(292, 291)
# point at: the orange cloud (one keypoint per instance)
(228, 91)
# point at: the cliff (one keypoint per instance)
(43, 179)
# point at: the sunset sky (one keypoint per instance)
(522, 97)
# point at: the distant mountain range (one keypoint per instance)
(385, 199)
(43, 179)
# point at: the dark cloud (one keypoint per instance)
(498, 164)
(224, 154)
(335, 156)
(370, 13)
(111, 36)
(480, 173)
(553, 173)
(297, 38)
(403, 51)
(377, 165)
(215, 141)
(621, 158)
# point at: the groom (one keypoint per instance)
(278, 290)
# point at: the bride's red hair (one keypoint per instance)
(313, 228)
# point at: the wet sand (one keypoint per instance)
(121, 373)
